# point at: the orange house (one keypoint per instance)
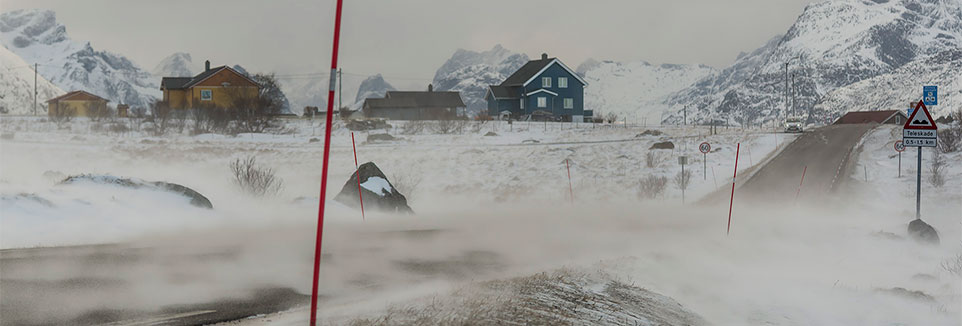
(215, 87)
(77, 103)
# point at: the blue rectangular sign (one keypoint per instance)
(930, 95)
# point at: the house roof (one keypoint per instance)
(174, 82)
(188, 82)
(67, 96)
(397, 99)
(869, 117)
(505, 92)
(533, 68)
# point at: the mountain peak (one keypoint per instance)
(178, 64)
(30, 26)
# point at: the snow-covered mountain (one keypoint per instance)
(636, 90)
(895, 90)
(37, 37)
(305, 92)
(832, 44)
(374, 86)
(471, 72)
(16, 86)
(177, 65)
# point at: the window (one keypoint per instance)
(562, 82)
(206, 95)
(542, 102)
(545, 81)
(522, 103)
(569, 103)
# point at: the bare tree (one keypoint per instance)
(651, 159)
(97, 111)
(937, 169)
(611, 117)
(256, 180)
(161, 114)
(652, 186)
(61, 116)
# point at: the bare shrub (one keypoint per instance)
(611, 117)
(254, 179)
(683, 179)
(61, 116)
(97, 111)
(444, 127)
(937, 169)
(162, 117)
(651, 159)
(953, 265)
(413, 127)
(406, 184)
(652, 186)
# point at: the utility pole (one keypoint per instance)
(786, 86)
(686, 115)
(35, 65)
(793, 94)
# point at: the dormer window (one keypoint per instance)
(545, 82)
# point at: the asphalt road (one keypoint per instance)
(824, 155)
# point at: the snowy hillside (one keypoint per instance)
(636, 90)
(374, 86)
(37, 37)
(894, 91)
(16, 86)
(832, 44)
(177, 65)
(471, 72)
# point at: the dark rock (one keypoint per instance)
(650, 133)
(491, 133)
(378, 193)
(7, 135)
(909, 294)
(379, 137)
(663, 145)
(195, 197)
(313, 140)
(367, 124)
(923, 232)
(530, 141)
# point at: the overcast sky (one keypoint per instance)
(407, 40)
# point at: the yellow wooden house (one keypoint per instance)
(215, 87)
(77, 103)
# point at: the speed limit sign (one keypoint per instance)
(899, 146)
(704, 148)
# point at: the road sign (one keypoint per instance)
(920, 121)
(930, 95)
(899, 146)
(682, 160)
(920, 130)
(704, 148)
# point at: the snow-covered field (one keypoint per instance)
(502, 200)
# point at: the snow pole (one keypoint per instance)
(731, 202)
(797, 191)
(357, 172)
(571, 194)
(327, 153)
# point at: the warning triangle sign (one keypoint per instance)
(920, 121)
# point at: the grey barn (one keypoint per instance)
(428, 105)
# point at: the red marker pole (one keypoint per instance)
(732, 201)
(327, 154)
(360, 197)
(571, 193)
(797, 191)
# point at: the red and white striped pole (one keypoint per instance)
(324, 168)
(799, 190)
(732, 201)
(360, 197)
(571, 193)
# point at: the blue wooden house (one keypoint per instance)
(541, 88)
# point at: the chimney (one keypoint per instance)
(430, 88)
(207, 65)
(544, 56)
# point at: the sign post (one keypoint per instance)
(684, 181)
(919, 131)
(900, 147)
(704, 148)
